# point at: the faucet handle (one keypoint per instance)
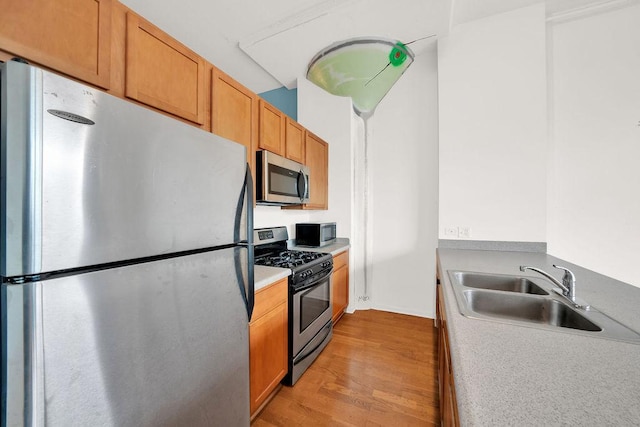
(568, 275)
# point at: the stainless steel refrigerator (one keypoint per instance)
(127, 262)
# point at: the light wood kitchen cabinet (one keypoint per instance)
(163, 73)
(340, 285)
(280, 134)
(448, 404)
(294, 141)
(268, 343)
(69, 36)
(317, 159)
(272, 129)
(234, 113)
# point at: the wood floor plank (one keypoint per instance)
(379, 369)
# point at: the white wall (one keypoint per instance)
(273, 216)
(329, 117)
(594, 197)
(493, 134)
(404, 156)
(404, 186)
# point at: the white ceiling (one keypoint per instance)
(286, 48)
(283, 35)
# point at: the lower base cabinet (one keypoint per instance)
(448, 404)
(340, 285)
(268, 345)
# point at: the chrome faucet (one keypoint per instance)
(567, 286)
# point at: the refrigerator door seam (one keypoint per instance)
(49, 275)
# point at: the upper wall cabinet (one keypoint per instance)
(272, 128)
(317, 159)
(295, 145)
(234, 112)
(70, 36)
(162, 72)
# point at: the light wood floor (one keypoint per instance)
(380, 369)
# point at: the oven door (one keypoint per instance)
(280, 181)
(311, 311)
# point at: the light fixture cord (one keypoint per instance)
(366, 208)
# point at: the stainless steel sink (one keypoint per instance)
(498, 282)
(528, 301)
(544, 311)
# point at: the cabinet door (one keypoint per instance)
(163, 73)
(340, 285)
(272, 129)
(268, 342)
(70, 36)
(234, 113)
(317, 159)
(295, 144)
(448, 403)
(442, 365)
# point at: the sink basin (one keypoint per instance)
(536, 310)
(528, 301)
(498, 282)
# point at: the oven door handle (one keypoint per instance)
(314, 283)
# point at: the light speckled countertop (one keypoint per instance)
(340, 245)
(263, 275)
(516, 375)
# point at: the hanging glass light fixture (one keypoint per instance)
(363, 69)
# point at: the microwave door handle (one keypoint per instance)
(307, 185)
(305, 180)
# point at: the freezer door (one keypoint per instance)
(155, 344)
(133, 184)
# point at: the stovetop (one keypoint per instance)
(289, 259)
(271, 250)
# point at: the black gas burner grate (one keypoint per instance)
(289, 259)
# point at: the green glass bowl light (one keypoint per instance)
(361, 68)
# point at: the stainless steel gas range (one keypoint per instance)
(310, 326)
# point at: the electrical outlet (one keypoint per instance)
(464, 232)
(451, 231)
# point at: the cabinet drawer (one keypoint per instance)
(269, 297)
(340, 260)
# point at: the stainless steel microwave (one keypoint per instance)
(315, 234)
(280, 181)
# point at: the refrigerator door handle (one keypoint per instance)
(249, 186)
(246, 202)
